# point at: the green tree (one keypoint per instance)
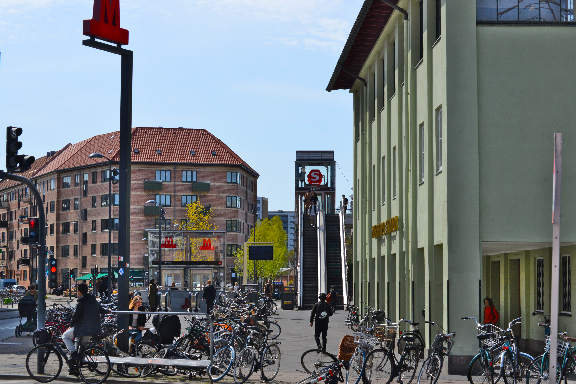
(266, 231)
(198, 218)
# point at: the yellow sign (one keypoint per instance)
(385, 228)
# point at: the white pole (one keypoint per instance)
(556, 189)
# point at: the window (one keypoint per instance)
(66, 181)
(66, 204)
(93, 201)
(188, 199)
(93, 249)
(164, 200)
(65, 228)
(231, 249)
(103, 225)
(565, 270)
(84, 238)
(233, 177)
(52, 206)
(383, 180)
(65, 251)
(233, 202)
(52, 184)
(85, 185)
(394, 172)
(372, 97)
(75, 227)
(116, 224)
(421, 153)
(233, 226)
(547, 11)
(163, 175)
(188, 176)
(84, 262)
(94, 177)
(75, 250)
(438, 17)
(51, 229)
(76, 203)
(421, 30)
(93, 225)
(76, 179)
(539, 284)
(116, 197)
(438, 121)
(373, 197)
(392, 69)
(381, 84)
(84, 214)
(104, 200)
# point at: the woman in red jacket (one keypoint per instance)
(491, 315)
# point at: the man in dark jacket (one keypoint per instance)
(209, 295)
(321, 313)
(153, 295)
(86, 319)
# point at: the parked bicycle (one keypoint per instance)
(440, 348)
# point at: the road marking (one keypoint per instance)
(10, 343)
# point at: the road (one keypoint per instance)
(7, 328)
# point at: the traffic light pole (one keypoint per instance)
(41, 257)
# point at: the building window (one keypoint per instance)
(231, 249)
(84, 214)
(65, 228)
(52, 206)
(233, 177)
(373, 197)
(65, 205)
(566, 284)
(392, 68)
(539, 284)
(394, 172)
(188, 176)
(163, 175)
(76, 250)
(372, 97)
(76, 179)
(421, 30)
(85, 185)
(164, 200)
(421, 153)
(104, 200)
(439, 149)
(76, 203)
(381, 84)
(233, 202)
(52, 184)
(65, 251)
(75, 226)
(84, 238)
(546, 11)
(93, 201)
(94, 177)
(233, 226)
(66, 181)
(51, 229)
(383, 179)
(116, 197)
(84, 261)
(438, 17)
(93, 225)
(93, 249)
(188, 199)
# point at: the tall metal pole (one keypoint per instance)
(110, 226)
(556, 195)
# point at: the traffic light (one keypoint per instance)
(33, 232)
(52, 273)
(15, 162)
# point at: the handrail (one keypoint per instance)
(321, 238)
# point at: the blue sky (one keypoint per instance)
(253, 72)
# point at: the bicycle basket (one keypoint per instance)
(385, 334)
(346, 348)
(43, 336)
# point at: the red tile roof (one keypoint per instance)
(149, 145)
(368, 26)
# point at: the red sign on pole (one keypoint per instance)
(105, 23)
(315, 177)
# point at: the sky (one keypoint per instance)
(252, 72)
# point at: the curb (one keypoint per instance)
(9, 314)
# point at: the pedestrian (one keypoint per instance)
(314, 203)
(153, 295)
(137, 322)
(209, 296)
(236, 288)
(268, 289)
(344, 204)
(491, 315)
(173, 286)
(103, 287)
(320, 314)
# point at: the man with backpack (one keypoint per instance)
(320, 314)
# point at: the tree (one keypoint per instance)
(198, 218)
(266, 231)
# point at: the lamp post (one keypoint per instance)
(154, 203)
(111, 173)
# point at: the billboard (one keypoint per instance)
(260, 252)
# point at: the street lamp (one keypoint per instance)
(111, 179)
(154, 203)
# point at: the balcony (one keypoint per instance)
(200, 187)
(151, 211)
(152, 186)
(4, 205)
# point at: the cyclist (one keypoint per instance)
(85, 322)
(321, 313)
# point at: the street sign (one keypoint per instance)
(105, 23)
(121, 271)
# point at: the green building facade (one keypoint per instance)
(455, 106)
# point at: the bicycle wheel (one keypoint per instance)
(270, 362)
(44, 363)
(314, 360)
(244, 364)
(93, 365)
(222, 360)
(480, 371)
(430, 371)
(356, 367)
(537, 372)
(274, 329)
(569, 371)
(410, 364)
(378, 367)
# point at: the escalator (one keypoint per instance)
(333, 256)
(309, 267)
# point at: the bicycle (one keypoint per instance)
(441, 347)
(44, 362)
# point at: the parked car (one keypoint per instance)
(18, 288)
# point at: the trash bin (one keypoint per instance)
(288, 298)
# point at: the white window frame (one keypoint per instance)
(439, 139)
(394, 172)
(421, 153)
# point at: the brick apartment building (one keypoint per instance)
(173, 166)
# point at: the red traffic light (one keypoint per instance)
(32, 223)
(53, 269)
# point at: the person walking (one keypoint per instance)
(344, 204)
(153, 295)
(209, 295)
(320, 314)
(491, 315)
